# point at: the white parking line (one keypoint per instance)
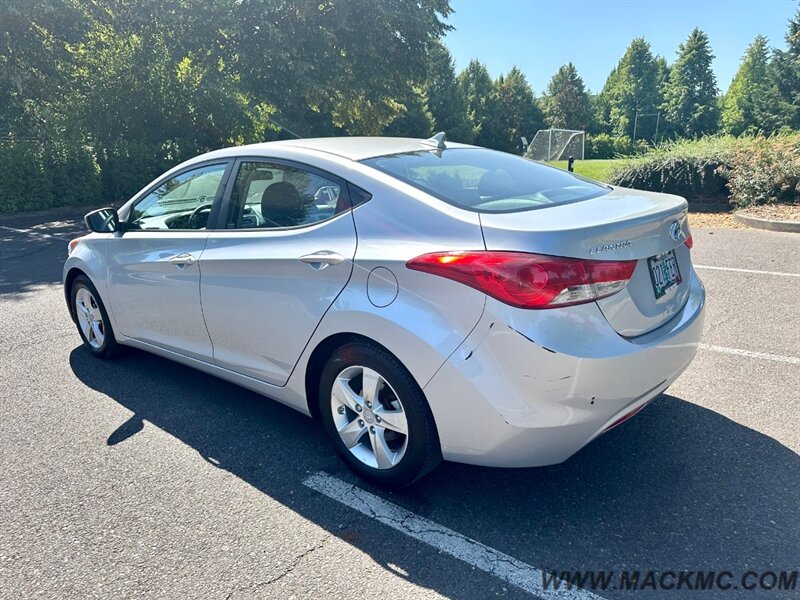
(792, 360)
(472, 552)
(779, 273)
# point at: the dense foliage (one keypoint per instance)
(688, 168)
(97, 97)
(140, 85)
(765, 171)
(744, 171)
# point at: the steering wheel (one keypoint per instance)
(194, 218)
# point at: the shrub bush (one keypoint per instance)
(73, 173)
(126, 167)
(604, 146)
(765, 171)
(24, 183)
(695, 179)
(36, 176)
(746, 171)
(696, 170)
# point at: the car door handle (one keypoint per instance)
(182, 260)
(322, 259)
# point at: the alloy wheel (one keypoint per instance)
(90, 319)
(369, 417)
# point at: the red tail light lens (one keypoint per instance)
(529, 280)
(689, 242)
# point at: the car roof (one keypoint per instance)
(353, 148)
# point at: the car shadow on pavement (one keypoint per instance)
(678, 487)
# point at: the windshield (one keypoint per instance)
(486, 180)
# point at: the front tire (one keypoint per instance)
(377, 416)
(91, 318)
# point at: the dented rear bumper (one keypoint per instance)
(531, 388)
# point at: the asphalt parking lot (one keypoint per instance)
(142, 478)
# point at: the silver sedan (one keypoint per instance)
(423, 299)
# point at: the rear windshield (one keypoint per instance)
(486, 180)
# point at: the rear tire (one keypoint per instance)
(377, 416)
(92, 319)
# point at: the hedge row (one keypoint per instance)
(35, 176)
(40, 175)
(742, 171)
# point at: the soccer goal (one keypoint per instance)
(557, 144)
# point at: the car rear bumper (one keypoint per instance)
(531, 388)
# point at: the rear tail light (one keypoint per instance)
(689, 242)
(529, 280)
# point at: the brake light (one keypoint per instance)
(529, 280)
(689, 242)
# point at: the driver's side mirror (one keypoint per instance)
(103, 220)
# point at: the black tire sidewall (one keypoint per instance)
(422, 453)
(109, 342)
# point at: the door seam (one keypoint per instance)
(200, 295)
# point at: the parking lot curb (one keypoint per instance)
(786, 226)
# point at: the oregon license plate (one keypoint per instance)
(664, 272)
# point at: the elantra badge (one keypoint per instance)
(610, 247)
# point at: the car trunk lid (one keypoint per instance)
(624, 224)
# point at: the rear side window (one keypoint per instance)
(267, 195)
(487, 181)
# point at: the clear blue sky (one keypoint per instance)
(539, 36)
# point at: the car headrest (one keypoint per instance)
(497, 183)
(282, 205)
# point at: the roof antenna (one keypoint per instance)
(437, 141)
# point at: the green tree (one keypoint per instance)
(131, 87)
(416, 120)
(446, 100)
(34, 62)
(739, 107)
(778, 106)
(690, 94)
(146, 97)
(567, 104)
(350, 60)
(516, 112)
(477, 86)
(633, 86)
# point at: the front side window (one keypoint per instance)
(270, 195)
(486, 180)
(183, 202)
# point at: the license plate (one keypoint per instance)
(664, 272)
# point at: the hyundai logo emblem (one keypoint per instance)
(675, 231)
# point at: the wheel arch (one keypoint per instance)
(69, 279)
(320, 355)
